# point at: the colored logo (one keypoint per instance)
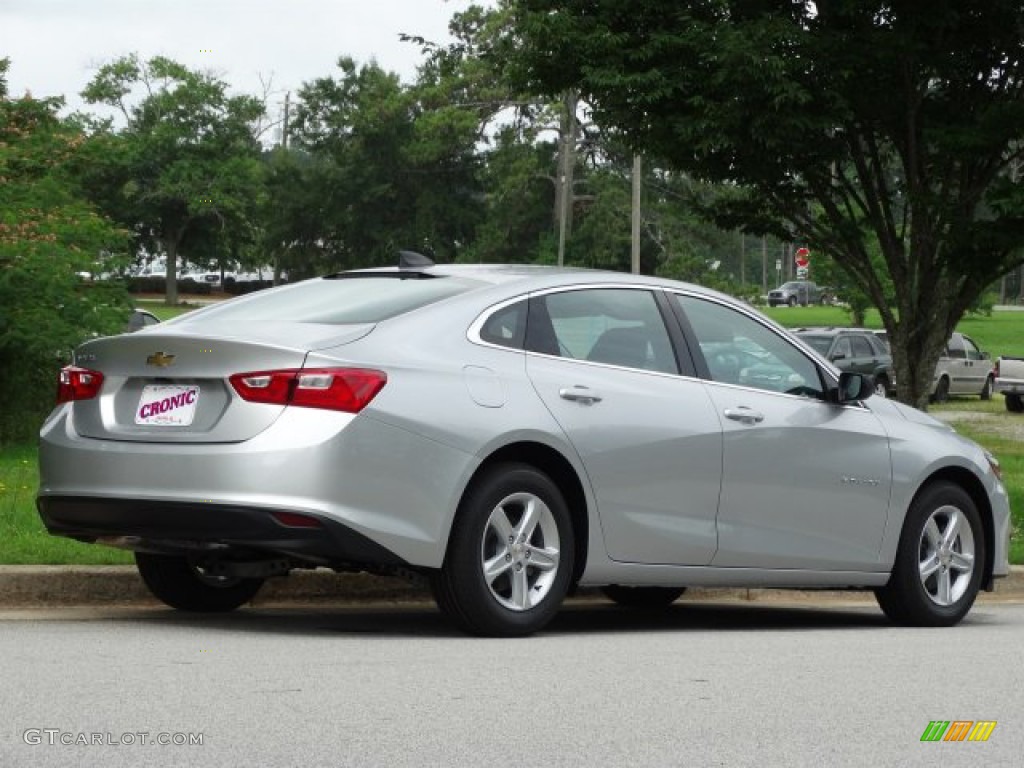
(160, 359)
(958, 730)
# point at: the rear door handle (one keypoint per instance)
(579, 394)
(744, 415)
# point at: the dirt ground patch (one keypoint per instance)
(1007, 425)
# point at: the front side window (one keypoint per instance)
(973, 353)
(861, 346)
(739, 350)
(614, 326)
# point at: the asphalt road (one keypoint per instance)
(729, 684)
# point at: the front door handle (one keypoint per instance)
(578, 394)
(744, 415)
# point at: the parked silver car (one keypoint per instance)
(963, 369)
(802, 292)
(508, 433)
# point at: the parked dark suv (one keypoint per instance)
(854, 349)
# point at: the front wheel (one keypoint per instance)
(986, 391)
(179, 583)
(510, 558)
(939, 562)
(881, 388)
(642, 597)
(1014, 403)
(792, 301)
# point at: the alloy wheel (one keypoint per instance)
(519, 551)
(946, 556)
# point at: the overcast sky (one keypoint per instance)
(56, 45)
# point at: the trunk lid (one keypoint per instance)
(170, 383)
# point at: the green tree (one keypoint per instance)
(393, 169)
(845, 125)
(48, 235)
(184, 163)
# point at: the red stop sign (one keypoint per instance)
(803, 257)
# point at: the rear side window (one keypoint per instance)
(614, 326)
(506, 327)
(342, 300)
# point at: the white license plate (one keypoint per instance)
(167, 405)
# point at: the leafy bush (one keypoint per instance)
(47, 236)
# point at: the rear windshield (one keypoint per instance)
(819, 344)
(342, 300)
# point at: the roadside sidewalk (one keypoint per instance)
(35, 586)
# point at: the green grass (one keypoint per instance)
(998, 432)
(163, 311)
(1001, 333)
(23, 538)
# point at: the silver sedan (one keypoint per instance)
(509, 433)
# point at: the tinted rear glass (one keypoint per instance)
(343, 301)
(819, 344)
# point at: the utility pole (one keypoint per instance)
(764, 265)
(568, 146)
(635, 244)
(743, 259)
(284, 126)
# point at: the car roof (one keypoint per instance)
(534, 276)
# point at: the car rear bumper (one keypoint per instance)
(1013, 386)
(370, 478)
(171, 526)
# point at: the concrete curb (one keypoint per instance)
(36, 586)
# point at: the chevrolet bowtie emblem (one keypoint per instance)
(160, 359)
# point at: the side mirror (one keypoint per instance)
(837, 357)
(853, 387)
(986, 356)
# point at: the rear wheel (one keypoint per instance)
(177, 582)
(939, 563)
(642, 597)
(941, 391)
(1014, 403)
(510, 557)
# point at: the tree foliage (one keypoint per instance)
(48, 235)
(847, 125)
(184, 166)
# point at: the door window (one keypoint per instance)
(861, 347)
(739, 350)
(614, 326)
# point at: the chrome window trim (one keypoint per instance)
(473, 335)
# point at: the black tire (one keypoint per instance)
(492, 607)
(908, 598)
(881, 386)
(1014, 403)
(941, 391)
(986, 391)
(792, 301)
(642, 597)
(176, 582)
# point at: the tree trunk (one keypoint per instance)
(915, 358)
(170, 245)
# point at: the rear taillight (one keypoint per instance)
(995, 369)
(334, 389)
(77, 383)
